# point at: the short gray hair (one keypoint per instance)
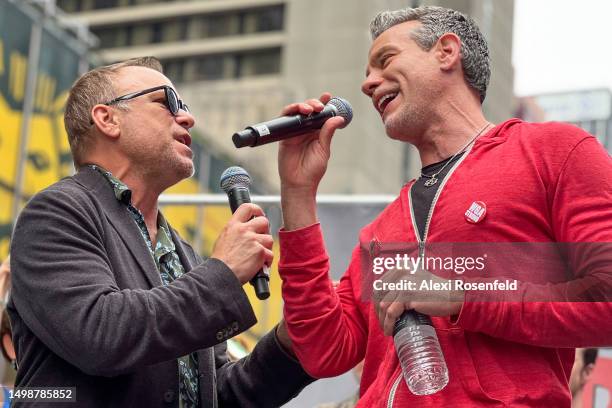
(436, 21)
(94, 87)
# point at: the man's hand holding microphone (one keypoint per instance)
(302, 162)
(245, 244)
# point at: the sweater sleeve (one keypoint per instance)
(325, 324)
(580, 208)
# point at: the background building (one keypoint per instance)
(589, 109)
(238, 62)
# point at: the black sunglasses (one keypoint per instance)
(172, 102)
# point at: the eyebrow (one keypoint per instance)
(376, 56)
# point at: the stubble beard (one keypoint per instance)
(399, 125)
(393, 125)
(165, 166)
(175, 163)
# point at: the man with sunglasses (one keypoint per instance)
(107, 299)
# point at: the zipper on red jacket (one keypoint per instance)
(396, 384)
(422, 242)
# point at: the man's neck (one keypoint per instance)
(448, 132)
(577, 399)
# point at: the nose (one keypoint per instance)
(372, 81)
(185, 119)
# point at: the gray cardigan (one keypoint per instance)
(89, 311)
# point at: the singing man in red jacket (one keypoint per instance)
(538, 185)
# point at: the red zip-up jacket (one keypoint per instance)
(540, 183)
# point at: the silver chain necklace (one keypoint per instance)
(433, 179)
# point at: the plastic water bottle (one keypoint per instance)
(419, 353)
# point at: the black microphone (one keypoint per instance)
(235, 181)
(290, 126)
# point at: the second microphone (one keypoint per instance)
(235, 181)
(290, 126)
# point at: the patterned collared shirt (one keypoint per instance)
(169, 267)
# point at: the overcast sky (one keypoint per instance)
(562, 45)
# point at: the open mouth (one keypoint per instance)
(184, 139)
(385, 100)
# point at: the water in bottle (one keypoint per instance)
(419, 353)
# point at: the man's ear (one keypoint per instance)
(448, 51)
(106, 120)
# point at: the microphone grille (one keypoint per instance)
(234, 176)
(344, 109)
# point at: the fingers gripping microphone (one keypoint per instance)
(290, 126)
(235, 181)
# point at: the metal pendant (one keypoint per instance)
(430, 182)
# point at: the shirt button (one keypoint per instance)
(169, 396)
